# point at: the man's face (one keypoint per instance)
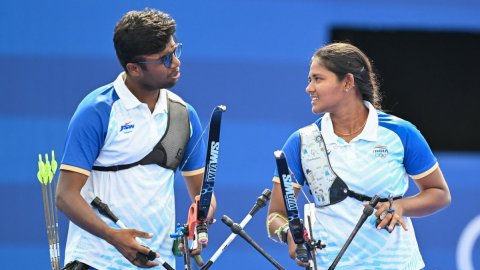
(158, 71)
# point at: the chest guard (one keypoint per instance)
(168, 152)
(325, 185)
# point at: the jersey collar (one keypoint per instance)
(161, 106)
(130, 101)
(369, 132)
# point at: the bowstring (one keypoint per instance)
(195, 146)
(303, 192)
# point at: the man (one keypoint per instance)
(124, 144)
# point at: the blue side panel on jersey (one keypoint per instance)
(418, 157)
(88, 128)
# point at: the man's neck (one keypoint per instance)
(149, 97)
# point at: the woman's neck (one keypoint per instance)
(348, 123)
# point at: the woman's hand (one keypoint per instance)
(291, 250)
(390, 215)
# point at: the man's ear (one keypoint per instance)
(134, 70)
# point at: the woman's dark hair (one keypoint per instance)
(142, 32)
(343, 58)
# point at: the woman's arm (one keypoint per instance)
(434, 195)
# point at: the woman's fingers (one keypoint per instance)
(381, 207)
(396, 218)
(300, 263)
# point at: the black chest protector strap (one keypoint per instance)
(168, 152)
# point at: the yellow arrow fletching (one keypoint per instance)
(41, 170)
(54, 163)
(48, 170)
(39, 175)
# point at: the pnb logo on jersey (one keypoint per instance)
(127, 127)
(380, 151)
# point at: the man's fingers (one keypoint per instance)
(141, 258)
(146, 252)
(151, 255)
(198, 260)
(195, 252)
(211, 220)
(142, 261)
(141, 234)
(151, 264)
(181, 247)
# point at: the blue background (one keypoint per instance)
(249, 55)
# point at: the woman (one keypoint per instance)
(373, 153)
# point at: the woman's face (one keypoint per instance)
(325, 90)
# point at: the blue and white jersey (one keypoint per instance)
(378, 161)
(112, 127)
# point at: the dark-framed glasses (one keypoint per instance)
(167, 59)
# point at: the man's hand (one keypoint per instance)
(124, 241)
(211, 214)
(195, 253)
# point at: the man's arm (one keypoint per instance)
(72, 204)
(194, 186)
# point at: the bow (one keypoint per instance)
(197, 215)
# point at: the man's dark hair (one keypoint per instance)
(142, 32)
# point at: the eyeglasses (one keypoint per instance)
(167, 59)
